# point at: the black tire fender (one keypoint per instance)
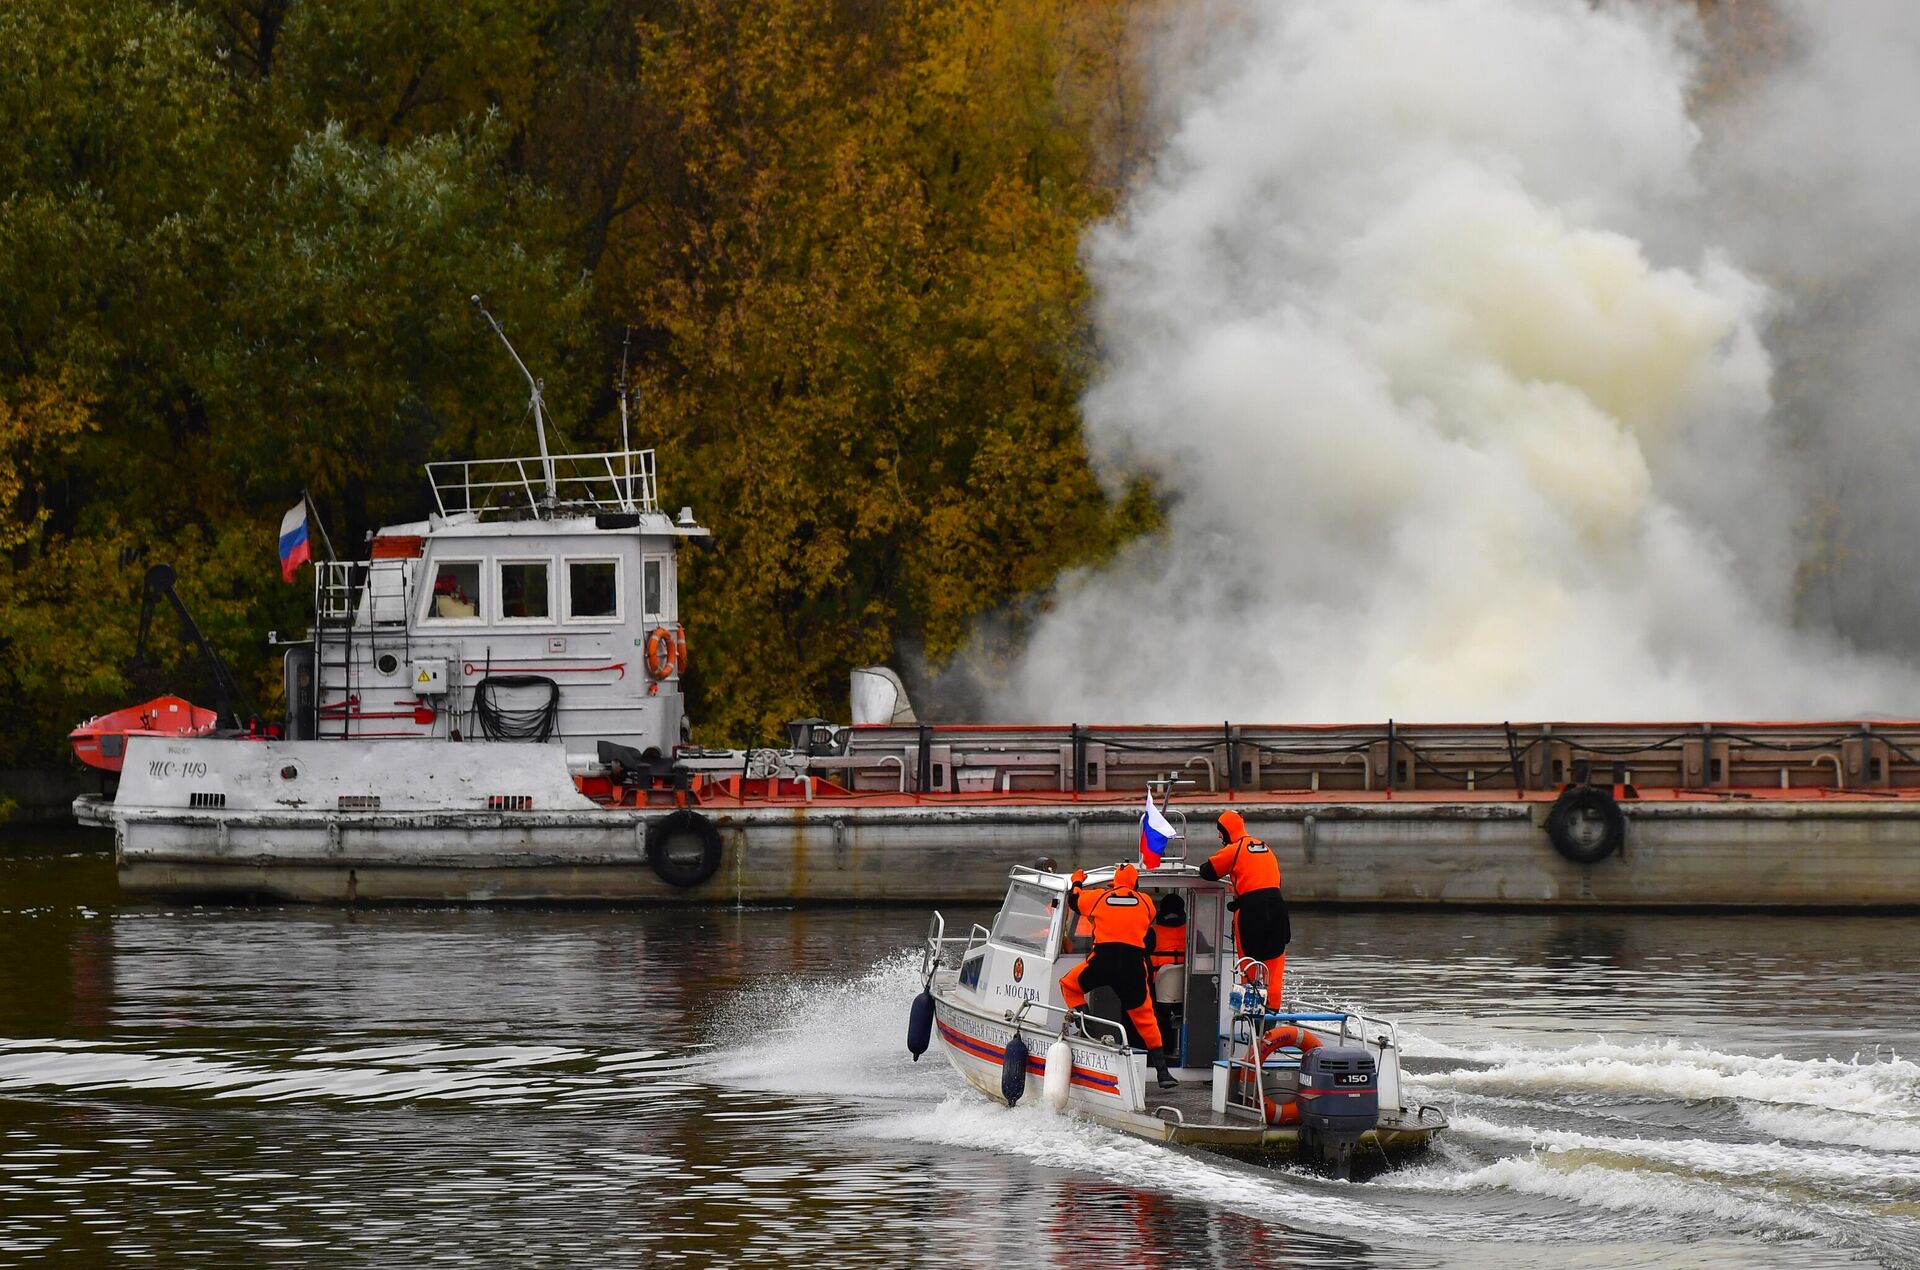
(1586, 825)
(683, 848)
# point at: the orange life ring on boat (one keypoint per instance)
(660, 657)
(1285, 1110)
(1283, 1036)
(680, 649)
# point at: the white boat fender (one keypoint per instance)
(920, 1024)
(1013, 1070)
(1059, 1078)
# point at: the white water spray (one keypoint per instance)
(1452, 421)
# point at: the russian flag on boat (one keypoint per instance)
(295, 550)
(1154, 833)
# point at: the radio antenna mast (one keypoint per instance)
(626, 450)
(538, 402)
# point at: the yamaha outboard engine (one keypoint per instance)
(1339, 1102)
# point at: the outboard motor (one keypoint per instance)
(1339, 1101)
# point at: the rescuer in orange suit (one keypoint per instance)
(1169, 933)
(1261, 928)
(1169, 949)
(1122, 920)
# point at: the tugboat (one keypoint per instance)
(488, 706)
(1283, 1082)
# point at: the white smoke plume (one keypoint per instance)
(1817, 185)
(1425, 325)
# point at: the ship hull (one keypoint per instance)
(424, 821)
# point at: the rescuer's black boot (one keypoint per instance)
(1157, 1059)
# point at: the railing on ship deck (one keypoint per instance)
(1111, 763)
(338, 586)
(610, 481)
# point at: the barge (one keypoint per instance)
(488, 706)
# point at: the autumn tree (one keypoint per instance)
(870, 321)
(237, 239)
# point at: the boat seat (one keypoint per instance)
(1170, 985)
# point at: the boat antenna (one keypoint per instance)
(626, 451)
(538, 404)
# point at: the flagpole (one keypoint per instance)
(319, 524)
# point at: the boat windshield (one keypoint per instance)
(1026, 919)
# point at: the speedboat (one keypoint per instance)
(1281, 1081)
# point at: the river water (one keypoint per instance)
(479, 1087)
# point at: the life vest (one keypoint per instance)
(1169, 945)
(1245, 861)
(1120, 915)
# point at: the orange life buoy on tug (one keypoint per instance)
(660, 658)
(680, 649)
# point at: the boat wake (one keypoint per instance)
(416, 1072)
(829, 1036)
(1672, 1070)
(1591, 1143)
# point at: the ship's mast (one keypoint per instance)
(626, 450)
(538, 403)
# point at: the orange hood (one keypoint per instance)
(1235, 826)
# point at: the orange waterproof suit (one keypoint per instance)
(1169, 944)
(1122, 921)
(1261, 927)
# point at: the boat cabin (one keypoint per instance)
(1031, 944)
(538, 602)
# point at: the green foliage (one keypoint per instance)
(237, 240)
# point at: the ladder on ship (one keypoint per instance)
(341, 589)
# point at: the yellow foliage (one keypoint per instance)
(871, 289)
(41, 419)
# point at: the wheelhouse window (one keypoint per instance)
(651, 590)
(1026, 919)
(593, 590)
(524, 595)
(456, 590)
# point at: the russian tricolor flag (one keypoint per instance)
(295, 550)
(1155, 833)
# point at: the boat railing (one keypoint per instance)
(937, 941)
(335, 589)
(338, 586)
(1253, 1019)
(1177, 817)
(608, 481)
(1068, 1015)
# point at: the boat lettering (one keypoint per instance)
(167, 769)
(1014, 990)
